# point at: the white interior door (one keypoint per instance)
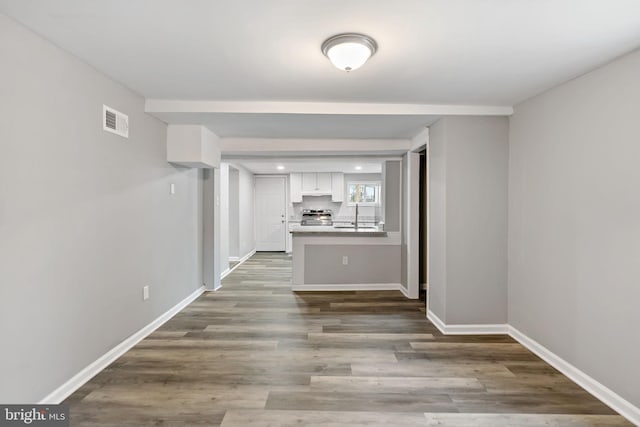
(270, 205)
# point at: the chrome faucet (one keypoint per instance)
(356, 222)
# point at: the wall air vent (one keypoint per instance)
(115, 122)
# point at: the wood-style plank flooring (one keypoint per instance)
(257, 354)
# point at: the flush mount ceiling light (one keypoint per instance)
(280, 167)
(349, 51)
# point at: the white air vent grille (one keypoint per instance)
(115, 122)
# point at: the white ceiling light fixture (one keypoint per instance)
(280, 167)
(358, 168)
(349, 51)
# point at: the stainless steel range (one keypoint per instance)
(317, 217)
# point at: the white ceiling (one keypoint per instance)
(454, 52)
(330, 164)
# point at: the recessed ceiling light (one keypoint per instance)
(280, 167)
(358, 168)
(349, 51)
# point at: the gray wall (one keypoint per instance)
(237, 235)
(574, 227)
(438, 218)
(234, 212)
(367, 264)
(247, 242)
(392, 196)
(469, 205)
(223, 253)
(210, 228)
(86, 218)
(404, 177)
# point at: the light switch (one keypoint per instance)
(172, 188)
(145, 293)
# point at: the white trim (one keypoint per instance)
(420, 140)
(404, 291)
(436, 321)
(224, 274)
(240, 262)
(79, 379)
(600, 391)
(349, 287)
(243, 259)
(483, 329)
(246, 257)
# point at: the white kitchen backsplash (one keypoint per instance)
(342, 212)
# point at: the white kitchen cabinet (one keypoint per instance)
(295, 187)
(337, 187)
(316, 183)
(308, 182)
(323, 182)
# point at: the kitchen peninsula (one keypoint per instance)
(336, 258)
(347, 251)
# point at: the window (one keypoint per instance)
(363, 193)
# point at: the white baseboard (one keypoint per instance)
(600, 391)
(404, 291)
(247, 256)
(240, 261)
(225, 273)
(482, 329)
(79, 379)
(348, 287)
(605, 394)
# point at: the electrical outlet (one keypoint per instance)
(345, 260)
(145, 293)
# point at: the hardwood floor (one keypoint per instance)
(257, 354)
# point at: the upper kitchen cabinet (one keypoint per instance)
(316, 184)
(337, 187)
(295, 187)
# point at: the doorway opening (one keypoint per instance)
(423, 247)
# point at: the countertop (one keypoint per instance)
(317, 230)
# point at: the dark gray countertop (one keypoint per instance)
(320, 230)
